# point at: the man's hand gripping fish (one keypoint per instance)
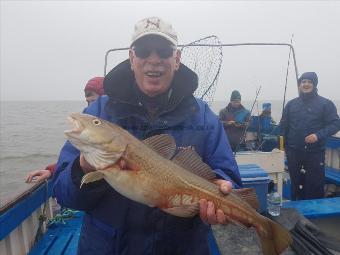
(152, 173)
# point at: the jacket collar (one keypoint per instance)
(232, 109)
(119, 84)
(309, 96)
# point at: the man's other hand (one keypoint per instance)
(312, 138)
(38, 175)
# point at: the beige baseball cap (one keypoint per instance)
(154, 26)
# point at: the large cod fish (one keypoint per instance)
(153, 172)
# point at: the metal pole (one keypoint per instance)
(221, 45)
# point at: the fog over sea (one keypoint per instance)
(31, 136)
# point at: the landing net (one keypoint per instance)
(206, 62)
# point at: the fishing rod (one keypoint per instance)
(285, 92)
(247, 125)
(263, 141)
(287, 71)
(259, 137)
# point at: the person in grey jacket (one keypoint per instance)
(307, 122)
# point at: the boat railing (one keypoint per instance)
(214, 45)
(23, 217)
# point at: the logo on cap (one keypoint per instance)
(154, 26)
(149, 22)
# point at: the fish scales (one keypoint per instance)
(184, 182)
(174, 180)
(138, 172)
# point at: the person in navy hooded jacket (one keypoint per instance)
(308, 121)
(150, 93)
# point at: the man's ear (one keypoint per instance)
(178, 59)
(131, 57)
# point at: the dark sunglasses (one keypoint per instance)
(143, 52)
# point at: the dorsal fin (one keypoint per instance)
(248, 195)
(190, 160)
(164, 144)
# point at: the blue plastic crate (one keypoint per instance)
(255, 177)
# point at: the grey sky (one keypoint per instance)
(49, 49)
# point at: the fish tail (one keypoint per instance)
(276, 240)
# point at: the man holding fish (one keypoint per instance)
(155, 196)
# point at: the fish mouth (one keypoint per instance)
(76, 125)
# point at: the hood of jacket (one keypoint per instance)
(313, 77)
(120, 85)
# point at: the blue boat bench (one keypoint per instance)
(332, 176)
(60, 239)
(63, 239)
(316, 208)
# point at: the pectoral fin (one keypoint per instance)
(91, 177)
(185, 211)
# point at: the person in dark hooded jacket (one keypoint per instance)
(307, 122)
(150, 93)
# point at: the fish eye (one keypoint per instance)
(96, 122)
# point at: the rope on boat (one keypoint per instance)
(65, 213)
(42, 217)
(60, 218)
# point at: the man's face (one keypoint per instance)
(306, 86)
(154, 62)
(235, 103)
(90, 96)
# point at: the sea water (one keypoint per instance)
(31, 136)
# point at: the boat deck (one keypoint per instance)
(61, 238)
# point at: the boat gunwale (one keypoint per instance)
(15, 212)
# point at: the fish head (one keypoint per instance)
(100, 141)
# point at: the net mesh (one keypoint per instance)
(204, 57)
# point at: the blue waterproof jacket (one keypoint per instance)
(309, 114)
(114, 224)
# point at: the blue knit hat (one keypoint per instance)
(309, 76)
(266, 106)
